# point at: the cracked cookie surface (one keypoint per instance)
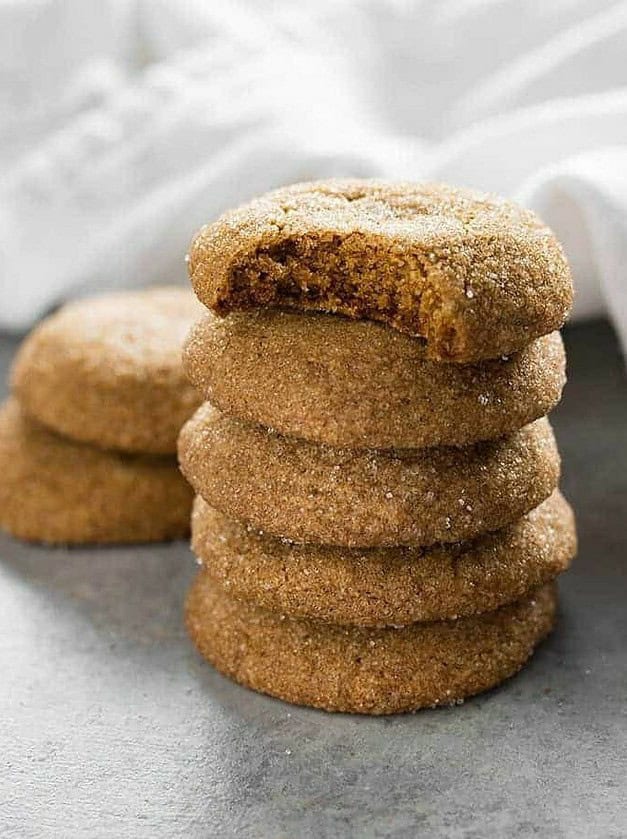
(362, 670)
(474, 275)
(386, 586)
(107, 370)
(57, 491)
(309, 492)
(360, 384)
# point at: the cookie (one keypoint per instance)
(107, 370)
(356, 383)
(476, 276)
(54, 490)
(361, 497)
(386, 586)
(360, 670)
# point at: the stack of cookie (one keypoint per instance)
(377, 516)
(88, 439)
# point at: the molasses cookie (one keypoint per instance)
(362, 497)
(474, 275)
(107, 370)
(360, 670)
(360, 384)
(55, 490)
(386, 586)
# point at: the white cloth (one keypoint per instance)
(126, 124)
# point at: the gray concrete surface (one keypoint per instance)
(111, 726)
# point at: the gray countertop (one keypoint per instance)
(111, 726)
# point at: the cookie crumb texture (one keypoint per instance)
(108, 371)
(386, 586)
(313, 493)
(360, 384)
(365, 671)
(57, 491)
(477, 277)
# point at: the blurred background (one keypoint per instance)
(126, 124)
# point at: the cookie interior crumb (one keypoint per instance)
(474, 275)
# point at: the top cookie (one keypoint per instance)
(108, 371)
(476, 276)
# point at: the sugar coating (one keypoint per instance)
(107, 370)
(309, 492)
(476, 276)
(360, 384)
(57, 491)
(386, 586)
(361, 670)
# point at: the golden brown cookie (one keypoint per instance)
(356, 383)
(361, 497)
(55, 490)
(386, 586)
(360, 670)
(476, 276)
(107, 370)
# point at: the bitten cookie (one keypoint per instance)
(54, 490)
(386, 586)
(359, 670)
(476, 276)
(315, 493)
(359, 384)
(108, 371)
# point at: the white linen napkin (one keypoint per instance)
(125, 125)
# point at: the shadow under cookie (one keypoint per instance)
(386, 586)
(354, 497)
(57, 491)
(360, 670)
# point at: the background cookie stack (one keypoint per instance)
(88, 439)
(378, 519)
